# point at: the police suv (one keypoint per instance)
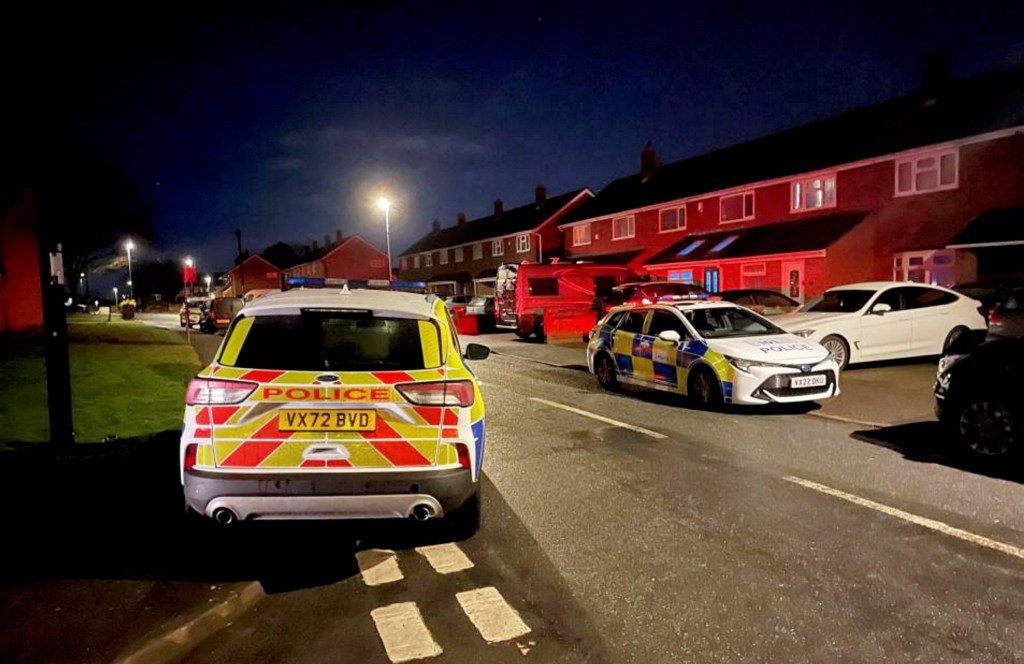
(713, 352)
(336, 403)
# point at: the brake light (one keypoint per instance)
(191, 452)
(463, 452)
(440, 393)
(995, 319)
(203, 392)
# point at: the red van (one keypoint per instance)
(555, 298)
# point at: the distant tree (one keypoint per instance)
(157, 277)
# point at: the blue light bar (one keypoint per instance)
(377, 284)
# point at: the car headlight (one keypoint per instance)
(946, 362)
(804, 333)
(746, 365)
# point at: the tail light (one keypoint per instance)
(191, 452)
(995, 319)
(441, 393)
(463, 452)
(203, 392)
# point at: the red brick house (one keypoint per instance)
(881, 192)
(253, 273)
(21, 288)
(350, 258)
(464, 258)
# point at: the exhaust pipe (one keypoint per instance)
(422, 512)
(224, 516)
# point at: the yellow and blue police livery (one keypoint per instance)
(713, 352)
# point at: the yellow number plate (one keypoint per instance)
(327, 420)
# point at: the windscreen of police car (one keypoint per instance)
(721, 322)
(337, 341)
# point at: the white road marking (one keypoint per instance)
(404, 634)
(600, 418)
(378, 566)
(491, 614)
(848, 420)
(931, 524)
(445, 558)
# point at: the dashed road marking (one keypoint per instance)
(600, 418)
(445, 558)
(491, 614)
(931, 524)
(404, 634)
(378, 566)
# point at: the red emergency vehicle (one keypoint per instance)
(555, 298)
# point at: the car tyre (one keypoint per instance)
(604, 369)
(988, 428)
(838, 350)
(703, 388)
(464, 521)
(953, 337)
(539, 331)
(181, 322)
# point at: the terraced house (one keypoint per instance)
(464, 258)
(928, 187)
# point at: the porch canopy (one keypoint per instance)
(994, 228)
(805, 234)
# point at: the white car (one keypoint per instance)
(712, 352)
(885, 320)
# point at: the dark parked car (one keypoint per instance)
(979, 398)
(989, 293)
(1006, 319)
(220, 313)
(763, 301)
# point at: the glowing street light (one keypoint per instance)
(385, 206)
(208, 279)
(129, 245)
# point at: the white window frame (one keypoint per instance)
(914, 162)
(478, 251)
(798, 189)
(743, 207)
(498, 247)
(577, 233)
(443, 257)
(522, 243)
(416, 260)
(632, 227)
(680, 219)
(459, 255)
(428, 259)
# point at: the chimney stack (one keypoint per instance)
(437, 225)
(338, 236)
(499, 207)
(314, 245)
(327, 241)
(540, 194)
(462, 219)
(648, 162)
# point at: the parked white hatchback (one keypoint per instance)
(885, 320)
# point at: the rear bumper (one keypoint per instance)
(341, 495)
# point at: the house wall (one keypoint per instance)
(355, 258)
(470, 266)
(254, 273)
(990, 176)
(310, 269)
(21, 290)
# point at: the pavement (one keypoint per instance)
(620, 527)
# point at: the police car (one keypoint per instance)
(336, 403)
(713, 352)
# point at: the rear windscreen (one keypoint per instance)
(319, 341)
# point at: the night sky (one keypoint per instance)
(286, 122)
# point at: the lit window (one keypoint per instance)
(724, 243)
(814, 193)
(737, 207)
(497, 248)
(932, 172)
(672, 219)
(690, 247)
(522, 243)
(458, 254)
(580, 235)
(478, 251)
(623, 228)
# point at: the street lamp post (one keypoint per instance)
(110, 309)
(385, 205)
(208, 279)
(129, 245)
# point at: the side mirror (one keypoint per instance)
(476, 352)
(670, 335)
(880, 309)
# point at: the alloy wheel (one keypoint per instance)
(987, 428)
(836, 351)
